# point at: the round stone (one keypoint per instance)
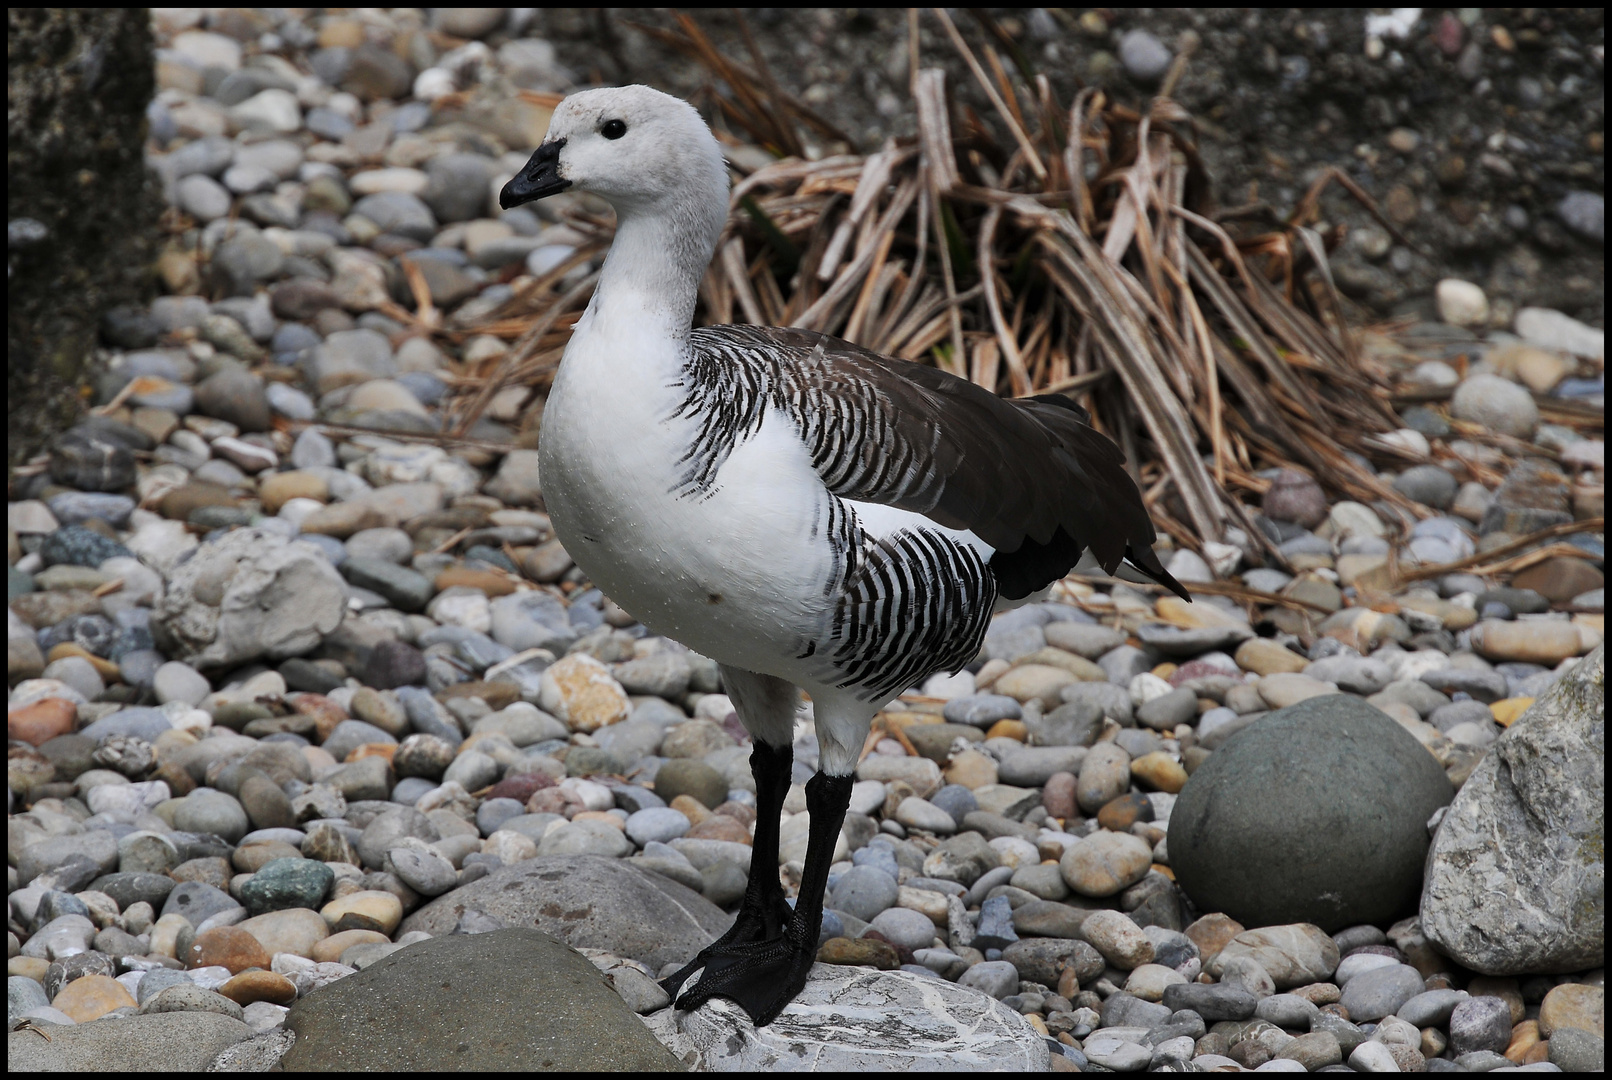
(1496, 404)
(864, 891)
(250, 986)
(1105, 863)
(209, 811)
(1324, 804)
(180, 682)
(905, 928)
(287, 883)
(1374, 994)
(1480, 1023)
(1295, 497)
(226, 946)
(1120, 941)
(656, 823)
(688, 776)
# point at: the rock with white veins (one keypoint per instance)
(1515, 878)
(850, 1019)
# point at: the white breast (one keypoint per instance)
(738, 572)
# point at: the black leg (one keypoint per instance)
(764, 911)
(763, 976)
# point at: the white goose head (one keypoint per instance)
(637, 148)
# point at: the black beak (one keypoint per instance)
(539, 179)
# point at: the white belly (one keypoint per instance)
(738, 572)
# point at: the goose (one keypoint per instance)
(813, 516)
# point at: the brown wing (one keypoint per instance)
(1030, 477)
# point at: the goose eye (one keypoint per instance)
(613, 129)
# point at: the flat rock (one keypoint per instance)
(249, 595)
(589, 902)
(854, 1020)
(1324, 804)
(512, 999)
(1294, 955)
(164, 1042)
(1514, 880)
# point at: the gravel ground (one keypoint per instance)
(301, 703)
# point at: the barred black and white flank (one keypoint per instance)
(808, 513)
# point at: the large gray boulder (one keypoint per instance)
(502, 1001)
(1516, 880)
(247, 596)
(852, 1019)
(1316, 813)
(589, 902)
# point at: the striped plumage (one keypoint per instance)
(810, 514)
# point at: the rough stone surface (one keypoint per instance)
(164, 1042)
(512, 999)
(252, 594)
(854, 1020)
(1325, 803)
(589, 902)
(1515, 880)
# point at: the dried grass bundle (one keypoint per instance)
(1082, 255)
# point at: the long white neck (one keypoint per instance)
(652, 274)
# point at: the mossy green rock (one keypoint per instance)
(1315, 813)
(287, 883)
(508, 1000)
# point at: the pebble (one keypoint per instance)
(373, 703)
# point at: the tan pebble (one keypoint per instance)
(603, 817)
(91, 996)
(1035, 682)
(1265, 657)
(691, 808)
(924, 901)
(29, 967)
(1105, 863)
(1119, 940)
(330, 949)
(1009, 729)
(1284, 689)
(250, 986)
(859, 952)
(108, 671)
(1078, 666)
(1524, 1037)
(327, 715)
(488, 581)
(971, 769)
(1532, 642)
(1537, 1054)
(1159, 771)
(380, 909)
(993, 670)
(1321, 993)
(277, 489)
(372, 749)
(1212, 933)
(580, 692)
(1573, 1005)
(290, 930)
(1508, 710)
(716, 827)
